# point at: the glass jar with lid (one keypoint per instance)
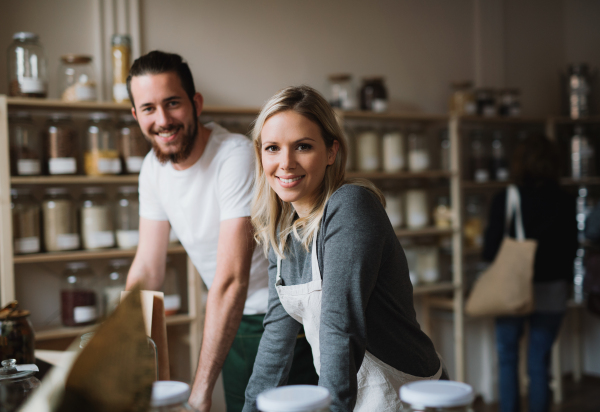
(417, 211)
(462, 100)
(96, 219)
(78, 302)
(342, 94)
(133, 146)
(76, 78)
(25, 221)
(418, 152)
(101, 155)
(393, 151)
(27, 66)
(171, 289)
(17, 383)
(24, 145)
(170, 396)
(373, 94)
(113, 283)
(61, 145)
(16, 334)
(60, 221)
(127, 217)
(367, 150)
(294, 398)
(121, 62)
(438, 396)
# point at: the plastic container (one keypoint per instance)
(113, 283)
(76, 78)
(101, 154)
(121, 62)
(133, 146)
(170, 396)
(393, 151)
(96, 219)
(61, 145)
(79, 305)
(24, 143)
(428, 264)
(127, 217)
(438, 396)
(294, 398)
(27, 66)
(25, 222)
(59, 216)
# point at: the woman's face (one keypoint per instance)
(294, 158)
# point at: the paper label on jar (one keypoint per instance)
(128, 238)
(134, 164)
(120, 92)
(95, 240)
(62, 166)
(172, 302)
(84, 92)
(31, 85)
(418, 160)
(83, 314)
(67, 241)
(481, 175)
(369, 163)
(27, 245)
(109, 166)
(28, 167)
(379, 105)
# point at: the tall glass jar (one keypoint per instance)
(61, 145)
(96, 219)
(342, 95)
(373, 95)
(417, 211)
(101, 155)
(113, 283)
(121, 62)
(438, 396)
(25, 221)
(418, 153)
(27, 66)
(367, 153)
(393, 151)
(133, 146)
(24, 145)
(76, 78)
(78, 302)
(60, 221)
(128, 217)
(171, 290)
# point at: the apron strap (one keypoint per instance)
(316, 273)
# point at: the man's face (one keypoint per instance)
(166, 115)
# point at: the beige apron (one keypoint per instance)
(378, 383)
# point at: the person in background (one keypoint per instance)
(549, 217)
(197, 180)
(335, 264)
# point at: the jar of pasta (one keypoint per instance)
(77, 81)
(60, 221)
(25, 221)
(24, 145)
(96, 219)
(133, 146)
(101, 156)
(61, 145)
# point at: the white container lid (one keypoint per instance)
(166, 393)
(293, 398)
(437, 394)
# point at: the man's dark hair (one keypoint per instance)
(536, 161)
(157, 62)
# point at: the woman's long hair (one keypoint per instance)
(270, 214)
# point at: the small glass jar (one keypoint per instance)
(294, 398)
(393, 207)
(78, 302)
(76, 79)
(27, 66)
(462, 100)
(445, 150)
(25, 221)
(101, 156)
(16, 385)
(342, 95)
(367, 143)
(113, 283)
(61, 145)
(60, 221)
(24, 142)
(438, 396)
(479, 158)
(428, 264)
(128, 217)
(171, 290)
(133, 146)
(499, 161)
(121, 62)
(486, 102)
(417, 214)
(96, 219)
(443, 213)
(170, 396)
(393, 151)
(373, 95)
(510, 103)
(418, 153)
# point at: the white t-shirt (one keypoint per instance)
(195, 201)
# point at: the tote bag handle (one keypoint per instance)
(513, 205)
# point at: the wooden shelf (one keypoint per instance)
(426, 174)
(399, 116)
(568, 120)
(426, 231)
(469, 184)
(503, 120)
(84, 255)
(433, 287)
(567, 181)
(74, 180)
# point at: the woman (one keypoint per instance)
(548, 217)
(336, 265)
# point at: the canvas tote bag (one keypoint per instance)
(506, 287)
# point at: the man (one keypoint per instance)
(197, 180)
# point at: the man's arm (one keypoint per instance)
(224, 307)
(148, 267)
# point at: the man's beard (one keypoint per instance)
(186, 146)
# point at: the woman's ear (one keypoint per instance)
(333, 152)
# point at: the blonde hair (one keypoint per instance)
(269, 212)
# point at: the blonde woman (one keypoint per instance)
(335, 264)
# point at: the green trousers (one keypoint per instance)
(240, 362)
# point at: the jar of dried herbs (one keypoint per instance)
(25, 221)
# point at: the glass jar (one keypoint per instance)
(17, 340)
(16, 384)
(27, 66)
(473, 227)
(479, 158)
(101, 156)
(445, 150)
(499, 161)
(60, 221)
(76, 79)
(373, 95)
(427, 264)
(582, 155)
(121, 62)
(113, 284)
(170, 396)
(367, 143)
(351, 145)
(342, 95)
(294, 398)
(393, 151)
(61, 145)
(462, 100)
(133, 146)
(393, 208)
(171, 290)
(418, 153)
(486, 102)
(25, 221)
(96, 219)
(78, 302)
(417, 215)
(128, 217)
(510, 103)
(24, 145)
(443, 214)
(438, 396)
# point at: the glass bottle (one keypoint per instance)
(417, 214)
(79, 305)
(96, 219)
(582, 155)
(133, 146)
(101, 155)
(462, 100)
(393, 151)
(113, 284)
(294, 398)
(27, 66)
(121, 62)
(60, 221)
(170, 396)
(127, 217)
(499, 161)
(418, 153)
(24, 142)
(444, 150)
(393, 208)
(342, 95)
(479, 159)
(171, 289)
(25, 221)
(76, 78)
(367, 142)
(436, 395)
(373, 95)
(61, 145)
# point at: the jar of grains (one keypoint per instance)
(25, 221)
(61, 145)
(27, 66)
(60, 221)
(96, 219)
(133, 146)
(101, 156)
(127, 217)
(77, 81)
(24, 145)
(78, 301)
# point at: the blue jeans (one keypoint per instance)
(543, 329)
